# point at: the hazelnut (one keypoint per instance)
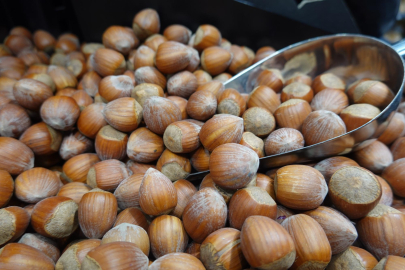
(259, 121)
(114, 87)
(333, 100)
(62, 77)
(258, 232)
(145, 90)
(250, 201)
(11, 68)
(172, 56)
(42, 77)
(55, 217)
(144, 146)
(36, 184)
(17, 43)
(75, 254)
(205, 213)
(106, 257)
(119, 38)
(271, 78)
(393, 174)
(283, 213)
(215, 60)
(372, 92)
(157, 195)
(60, 112)
(182, 84)
(82, 99)
(202, 77)
(109, 62)
(375, 157)
(321, 126)
(292, 113)
(44, 41)
(177, 32)
(128, 233)
(354, 191)
(31, 93)
(107, 174)
(46, 245)
(253, 142)
(67, 92)
(97, 212)
(394, 130)
(145, 23)
(327, 81)
(150, 75)
(297, 90)
(233, 165)
(298, 77)
(382, 231)
(200, 159)
(239, 60)
(14, 222)
(75, 144)
(123, 114)
(15, 156)
(127, 192)
(283, 140)
(111, 143)
(77, 67)
(206, 36)
(173, 166)
(167, 235)
(76, 168)
(207, 182)
(353, 258)
(338, 229)
(21, 256)
(74, 191)
(14, 120)
(90, 82)
(202, 105)
(142, 57)
(91, 120)
(59, 59)
(137, 167)
(221, 129)
(300, 187)
(132, 216)
(185, 190)
(181, 137)
(181, 103)
(222, 249)
(178, 261)
(6, 188)
(159, 112)
(329, 166)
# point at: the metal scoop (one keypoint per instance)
(351, 57)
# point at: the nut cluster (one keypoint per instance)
(98, 139)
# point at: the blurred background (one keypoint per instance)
(253, 23)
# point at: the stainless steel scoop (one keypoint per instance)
(352, 57)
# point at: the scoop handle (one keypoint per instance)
(400, 47)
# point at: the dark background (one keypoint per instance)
(241, 24)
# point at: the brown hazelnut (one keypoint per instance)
(18, 43)
(299, 77)
(123, 114)
(136, 167)
(372, 92)
(200, 159)
(182, 84)
(15, 221)
(119, 38)
(46, 245)
(144, 146)
(6, 188)
(111, 143)
(11, 67)
(31, 93)
(253, 142)
(206, 36)
(297, 90)
(258, 232)
(145, 23)
(333, 100)
(150, 75)
(312, 245)
(74, 191)
(233, 165)
(14, 120)
(321, 126)
(154, 41)
(7, 86)
(91, 120)
(393, 175)
(375, 157)
(21, 256)
(142, 57)
(239, 60)
(215, 87)
(271, 78)
(300, 187)
(354, 191)
(74, 254)
(15, 156)
(76, 168)
(390, 262)
(178, 261)
(202, 105)
(107, 174)
(172, 56)
(90, 82)
(82, 99)
(75, 144)
(185, 190)
(205, 213)
(181, 103)
(387, 195)
(353, 258)
(132, 216)
(283, 140)
(193, 249)
(259, 121)
(182, 137)
(157, 195)
(208, 182)
(109, 62)
(202, 77)
(174, 166)
(145, 90)
(60, 112)
(62, 77)
(127, 192)
(177, 32)
(215, 60)
(394, 130)
(44, 41)
(114, 87)
(264, 97)
(327, 81)
(292, 113)
(329, 166)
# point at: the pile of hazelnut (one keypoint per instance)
(98, 139)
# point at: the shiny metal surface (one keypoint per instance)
(352, 57)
